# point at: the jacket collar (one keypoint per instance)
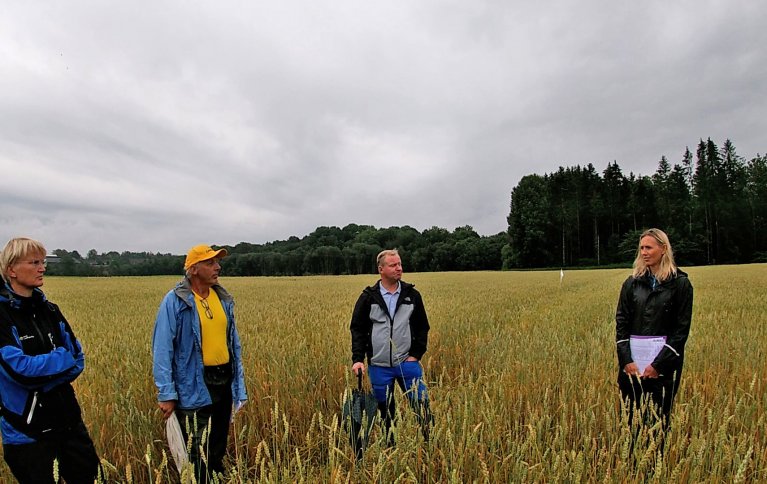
(184, 291)
(403, 287)
(646, 278)
(16, 301)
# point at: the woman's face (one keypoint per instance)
(27, 273)
(651, 251)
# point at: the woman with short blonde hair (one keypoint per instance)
(18, 248)
(41, 357)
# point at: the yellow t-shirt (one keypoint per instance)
(213, 326)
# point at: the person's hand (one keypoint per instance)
(358, 367)
(650, 372)
(167, 408)
(631, 369)
(411, 358)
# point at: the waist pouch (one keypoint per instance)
(218, 375)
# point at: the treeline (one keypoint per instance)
(712, 204)
(113, 263)
(328, 250)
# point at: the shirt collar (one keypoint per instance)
(384, 291)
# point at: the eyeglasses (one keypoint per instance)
(205, 306)
(36, 262)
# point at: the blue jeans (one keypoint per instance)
(409, 377)
(407, 374)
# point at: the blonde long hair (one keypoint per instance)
(667, 265)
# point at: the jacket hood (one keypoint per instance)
(679, 273)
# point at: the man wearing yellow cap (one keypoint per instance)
(197, 358)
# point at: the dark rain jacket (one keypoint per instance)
(663, 311)
(39, 358)
(386, 340)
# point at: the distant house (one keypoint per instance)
(52, 259)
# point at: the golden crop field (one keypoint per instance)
(521, 373)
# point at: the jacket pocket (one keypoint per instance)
(52, 410)
(46, 412)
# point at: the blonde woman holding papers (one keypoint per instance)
(652, 325)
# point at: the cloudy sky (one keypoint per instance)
(154, 126)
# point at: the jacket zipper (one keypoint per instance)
(391, 338)
(391, 328)
(32, 410)
(382, 302)
(40, 333)
(42, 339)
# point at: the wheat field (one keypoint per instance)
(521, 372)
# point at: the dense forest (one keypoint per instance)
(712, 204)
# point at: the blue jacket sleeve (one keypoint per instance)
(39, 370)
(239, 393)
(73, 345)
(162, 349)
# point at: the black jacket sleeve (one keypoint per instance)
(360, 328)
(623, 317)
(672, 354)
(419, 328)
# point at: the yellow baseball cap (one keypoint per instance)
(199, 253)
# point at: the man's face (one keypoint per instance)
(391, 269)
(207, 271)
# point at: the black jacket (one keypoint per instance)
(39, 358)
(387, 340)
(663, 311)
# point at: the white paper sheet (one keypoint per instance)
(644, 349)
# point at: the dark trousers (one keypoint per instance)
(652, 398)
(33, 463)
(218, 415)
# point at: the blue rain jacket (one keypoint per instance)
(39, 358)
(177, 349)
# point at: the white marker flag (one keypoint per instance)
(561, 276)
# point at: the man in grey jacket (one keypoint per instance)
(389, 326)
